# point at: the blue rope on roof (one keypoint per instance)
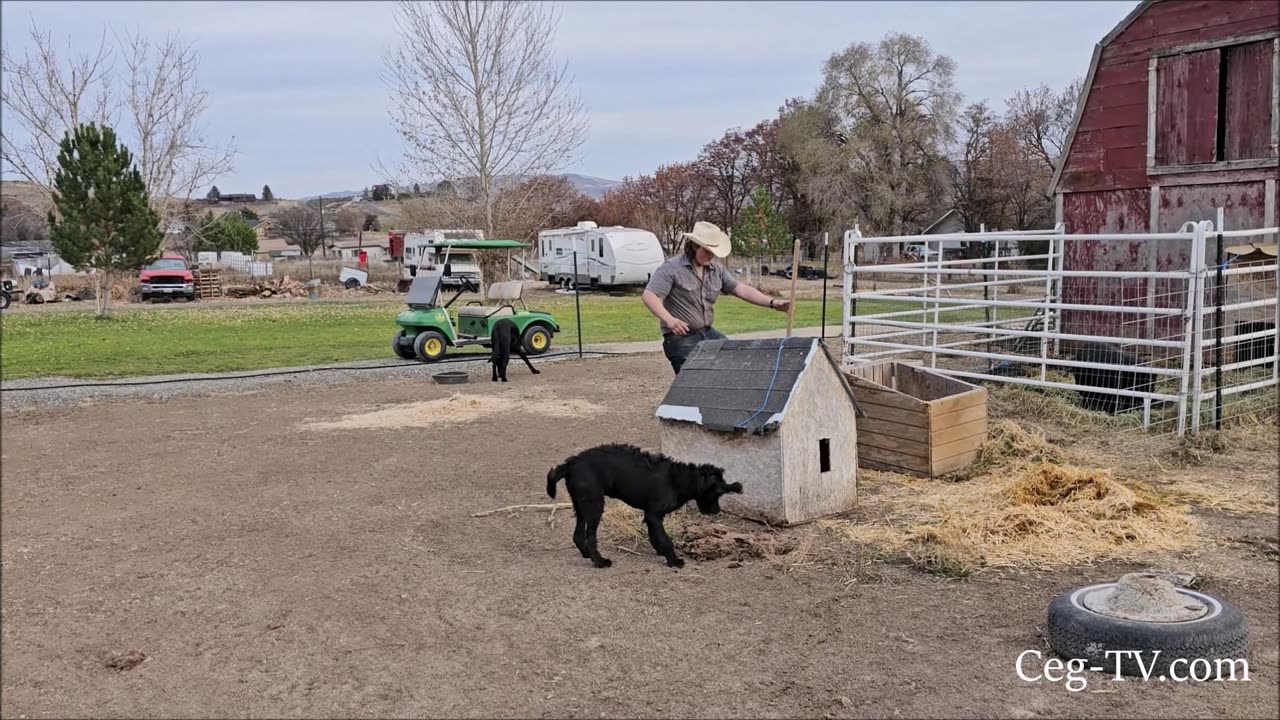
(777, 362)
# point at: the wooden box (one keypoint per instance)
(917, 421)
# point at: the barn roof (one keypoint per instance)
(1088, 83)
(730, 385)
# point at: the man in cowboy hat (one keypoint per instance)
(683, 290)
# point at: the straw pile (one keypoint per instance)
(1020, 505)
(1040, 515)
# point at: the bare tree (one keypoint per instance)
(154, 87)
(894, 104)
(973, 188)
(301, 226)
(476, 94)
(20, 225)
(349, 220)
(1040, 118)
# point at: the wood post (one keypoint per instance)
(795, 274)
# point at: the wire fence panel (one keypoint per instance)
(1189, 340)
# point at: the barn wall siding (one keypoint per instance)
(1108, 149)
(1116, 211)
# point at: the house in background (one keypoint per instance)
(274, 248)
(375, 245)
(1178, 117)
(264, 228)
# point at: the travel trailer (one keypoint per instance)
(607, 257)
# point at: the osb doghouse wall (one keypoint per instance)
(917, 422)
(753, 460)
(820, 410)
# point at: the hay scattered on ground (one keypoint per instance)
(1009, 442)
(1039, 515)
(460, 408)
(1214, 494)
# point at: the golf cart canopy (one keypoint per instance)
(478, 244)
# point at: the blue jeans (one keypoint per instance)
(678, 347)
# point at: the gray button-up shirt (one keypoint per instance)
(685, 295)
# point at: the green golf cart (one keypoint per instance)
(427, 329)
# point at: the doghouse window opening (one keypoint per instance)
(824, 455)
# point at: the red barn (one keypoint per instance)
(1178, 116)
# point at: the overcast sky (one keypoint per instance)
(297, 83)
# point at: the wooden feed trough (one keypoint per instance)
(917, 421)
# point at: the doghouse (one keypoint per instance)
(778, 416)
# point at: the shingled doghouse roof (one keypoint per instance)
(732, 385)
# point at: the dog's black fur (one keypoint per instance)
(505, 336)
(646, 481)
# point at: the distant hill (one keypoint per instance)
(592, 187)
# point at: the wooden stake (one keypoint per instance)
(795, 274)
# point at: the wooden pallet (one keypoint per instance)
(208, 283)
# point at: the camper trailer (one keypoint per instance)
(429, 250)
(607, 257)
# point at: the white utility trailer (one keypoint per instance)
(606, 256)
(429, 250)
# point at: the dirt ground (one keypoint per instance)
(299, 553)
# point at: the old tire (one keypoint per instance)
(536, 339)
(429, 346)
(1074, 631)
(351, 284)
(402, 349)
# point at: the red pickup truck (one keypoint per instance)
(168, 277)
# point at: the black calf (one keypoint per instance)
(1105, 353)
(1253, 348)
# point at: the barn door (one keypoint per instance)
(1187, 108)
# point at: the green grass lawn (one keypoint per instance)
(247, 337)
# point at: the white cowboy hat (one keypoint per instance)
(711, 237)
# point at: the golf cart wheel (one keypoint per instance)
(1075, 631)
(351, 284)
(429, 346)
(536, 339)
(4, 301)
(402, 349)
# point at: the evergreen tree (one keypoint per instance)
(229, 231)
(266, 194)
(416, 190)
(762, 230)
(365, 194)
(213, 194)
(104, 223)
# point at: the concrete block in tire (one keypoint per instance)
(1074, 631)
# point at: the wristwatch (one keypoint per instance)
(771, 307)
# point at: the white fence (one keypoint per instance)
(1188, 340)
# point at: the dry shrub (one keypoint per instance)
(1039, 515)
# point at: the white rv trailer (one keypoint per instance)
(607, 257)
(424, 249)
